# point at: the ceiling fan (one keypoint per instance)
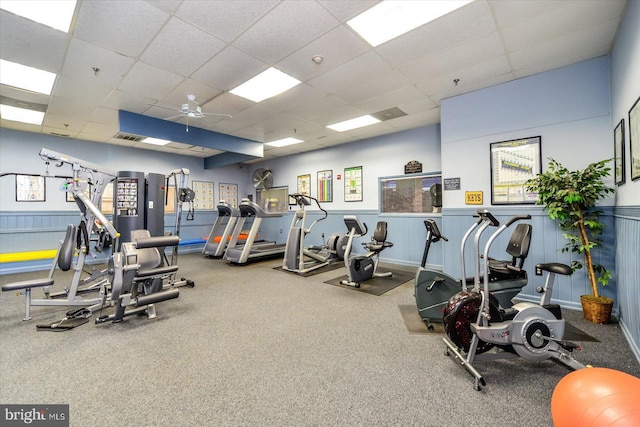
(191, 110)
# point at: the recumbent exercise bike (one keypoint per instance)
(363, 267)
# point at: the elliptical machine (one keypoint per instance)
(301, 259)
(475, 324)
(433, 288)
(363, 267)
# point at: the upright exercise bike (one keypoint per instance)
(364, 267)
(433, 288)
(478, 329)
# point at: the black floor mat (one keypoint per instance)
(330, 267)
(378, 285)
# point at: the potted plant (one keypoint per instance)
(570, 197)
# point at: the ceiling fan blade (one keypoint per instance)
(217, 114)
(165, 107)
(177, 116)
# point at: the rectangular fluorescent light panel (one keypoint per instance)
(392, 18)
(27, 78)
(23, 115)
(265, 85)
(155, 141)
(358, 122)
(56, 14)
(284, 142)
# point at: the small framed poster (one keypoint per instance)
(618, 149)
(325, 186)
(353, 184)
(30, 188)
(304, 185)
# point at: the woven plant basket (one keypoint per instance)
(596, 311)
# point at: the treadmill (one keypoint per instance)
(221, 231)
(239, 252)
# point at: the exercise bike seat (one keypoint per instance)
(379, 240)
(518, 248)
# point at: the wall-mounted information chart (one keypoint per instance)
(353, 184)
(325, 186)
(127, 197)
(512, 164)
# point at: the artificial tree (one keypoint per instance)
(570, 197)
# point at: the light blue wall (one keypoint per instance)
(568, 107)
(625, 90)
(381, 156)
(40, 225)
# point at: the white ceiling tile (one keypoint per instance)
(320, 109)
(227, 103)
(344, 10)
(228, 69)
(394, 98)
(62, 107)
(82, 57)
(178, 96)
(471, 78)
(336, 47)
(105, 115)
(28, 43)
(449, 61)
(101, 130)
(166, 5)
(64, 123)
(289, 26)
(559, 22)
(292, 98)
(467, 23)
(125, 27)
(84, 92)
(511, 12)
(121, 100)
(170, 52)
(149, 81)
(225, 19)
(362, 68)
(386, 83)
(576, 47)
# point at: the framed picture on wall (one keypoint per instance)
(304, 185)
(30, 188)
(228, 193)
(204, 195)
(618, 149)
(353, 184)
(634, 139)
(512, 164)
(325, 186)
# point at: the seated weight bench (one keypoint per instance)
(63, 259)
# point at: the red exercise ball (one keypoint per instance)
(596, 397)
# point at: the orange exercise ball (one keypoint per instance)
(596, 397)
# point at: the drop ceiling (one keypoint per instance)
(130, 55)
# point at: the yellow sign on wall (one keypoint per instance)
(473, 197)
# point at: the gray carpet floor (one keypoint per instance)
(250, 345)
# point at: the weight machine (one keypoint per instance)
(87, 178)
